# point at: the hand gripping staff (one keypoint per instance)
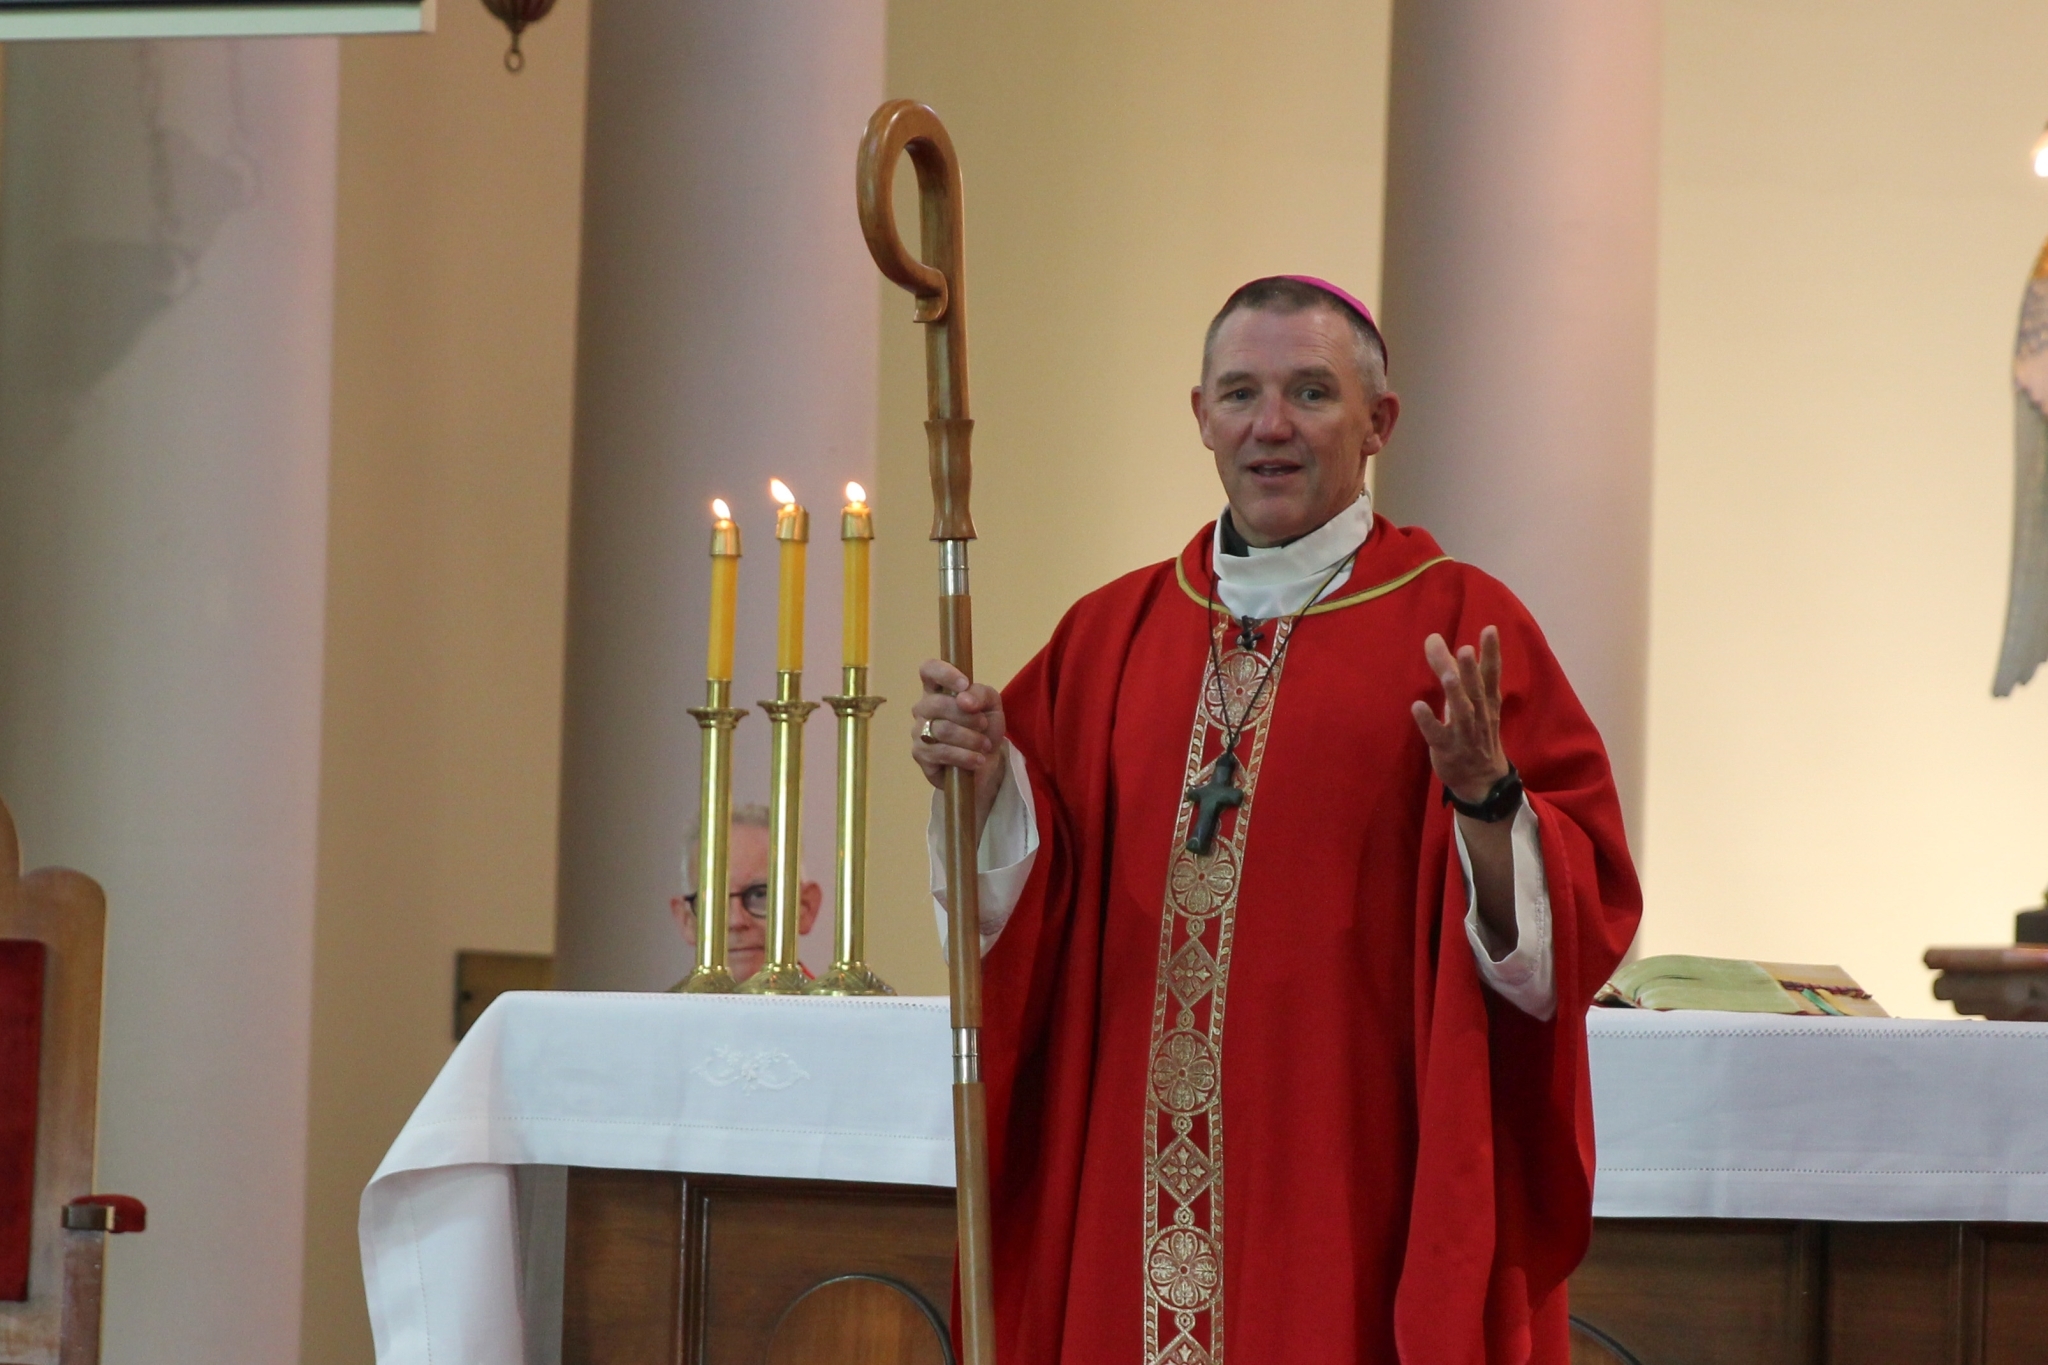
(939, 283)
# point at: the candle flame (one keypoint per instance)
(720, 510)
(855, 493)
(781, 493)
(2041, 154)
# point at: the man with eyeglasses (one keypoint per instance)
(746, 944)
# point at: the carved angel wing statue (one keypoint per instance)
(2026, 608)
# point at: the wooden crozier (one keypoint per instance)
(938, 282)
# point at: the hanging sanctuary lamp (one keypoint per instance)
(515, 15)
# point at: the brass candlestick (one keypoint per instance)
(716, 718)
(781, 974)
(850, 973)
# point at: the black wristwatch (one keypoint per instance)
(1500, 802)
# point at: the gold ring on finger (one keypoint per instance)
(926, 733)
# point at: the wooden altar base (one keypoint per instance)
(668, 1269)
(1708, 1291)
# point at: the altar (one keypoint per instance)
(623, 1178)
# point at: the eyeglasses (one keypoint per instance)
(753, 899)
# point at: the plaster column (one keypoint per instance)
(166, 290)
(727, 333)
(1520, 297)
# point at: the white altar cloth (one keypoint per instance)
(1708, 1115)
(1698, 1115)
(738, 1085)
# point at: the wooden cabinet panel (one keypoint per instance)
(665, 1269)
(1692, 1293)
(860, 1321)
(1896, 1296)
(766, 1243)
(1713, 1292)
(2015, 1294)
(622, 1268)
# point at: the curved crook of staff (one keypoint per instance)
(937, 279)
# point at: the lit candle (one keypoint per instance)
(857, 531)
(725, 584)
(793, 533)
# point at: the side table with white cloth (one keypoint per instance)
(1793, 1189)
(626, 1178)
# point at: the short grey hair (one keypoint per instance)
(1279, 294)
(753, 815)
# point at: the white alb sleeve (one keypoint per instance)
(1525, 978)
(1009, 845)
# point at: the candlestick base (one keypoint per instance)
(851, 978)
(776, 978)
(706, 981)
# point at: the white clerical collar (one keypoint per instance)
(1264, 584)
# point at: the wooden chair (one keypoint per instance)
(52, 1227)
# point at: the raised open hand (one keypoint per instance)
(1464, 746)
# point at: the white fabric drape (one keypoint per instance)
(1698, 1115)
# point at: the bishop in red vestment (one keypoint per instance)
(1311, 865)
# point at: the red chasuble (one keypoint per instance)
(1258, 1106)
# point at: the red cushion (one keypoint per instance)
(21, 1056)
(106, 1213)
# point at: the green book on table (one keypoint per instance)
(1679, 981)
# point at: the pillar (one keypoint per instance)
(166, 288)
(1519, 290)
(727, 334)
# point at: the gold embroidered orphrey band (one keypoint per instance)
(1184, 1100)
(1350, 599)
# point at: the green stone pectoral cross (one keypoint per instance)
(1210, 799)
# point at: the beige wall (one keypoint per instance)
(1849, 218)
(1126, 166)
(459, 200)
